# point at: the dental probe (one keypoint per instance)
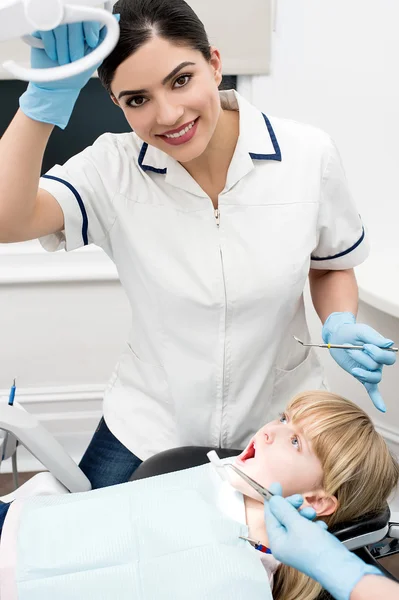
(264, 492)
(341, 346)
(257, 545)
(219, 465)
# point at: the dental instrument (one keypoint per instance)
(262, 491)
(21, 18)
(219, 465)
(10, 442)
(6, 450)
(14, 454)
(341, 346)
(257, 545)
(12, 394)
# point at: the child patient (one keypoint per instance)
(326, 449)
(323, 447)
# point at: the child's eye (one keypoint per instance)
(295, 442)
(283, 418)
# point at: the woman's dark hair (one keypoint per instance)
(140, 20)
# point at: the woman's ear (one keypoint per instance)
(114, 100)
(322, 503)
(216, 64)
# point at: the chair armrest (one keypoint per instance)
(394, 526)
(27, 429)
(366, 530)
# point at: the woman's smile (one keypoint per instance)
(176, 137)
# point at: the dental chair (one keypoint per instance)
(373, 537)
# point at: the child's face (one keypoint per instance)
(280, 452)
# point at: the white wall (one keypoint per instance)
(335, 65)
(63, 321)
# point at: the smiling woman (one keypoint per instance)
(180, 109)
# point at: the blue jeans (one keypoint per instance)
(107, 461)
(3, 512)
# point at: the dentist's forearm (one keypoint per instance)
(333, 291)
(21, 155)
(372, 587)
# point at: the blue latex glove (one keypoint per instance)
(308, 547)
(53, 102)
(366, 365)
(296, 501)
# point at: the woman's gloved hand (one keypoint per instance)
(308, 547)
(366, 365)
(53, 102)
(296, 501)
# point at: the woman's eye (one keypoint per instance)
(139, 100)
(182, 80)
(282, 418)
(295, 442)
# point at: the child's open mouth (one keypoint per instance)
(248, 454)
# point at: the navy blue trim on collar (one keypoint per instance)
(359, 241)
(148, 167)
(277, 155)
(81, 206)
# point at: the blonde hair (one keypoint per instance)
(358, 469)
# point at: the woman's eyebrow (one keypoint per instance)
(164, 80)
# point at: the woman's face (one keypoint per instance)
(169, 95)
(280, 452)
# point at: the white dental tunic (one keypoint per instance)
(215, 297)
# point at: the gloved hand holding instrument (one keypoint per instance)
(309, 548)
(366, 364)
(68, 42)
(358, 349)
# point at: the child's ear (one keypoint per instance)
(322, 503)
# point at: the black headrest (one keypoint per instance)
(367, 524)
(178, 459)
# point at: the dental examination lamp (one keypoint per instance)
(20, 18)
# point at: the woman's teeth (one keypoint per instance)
(180, 133)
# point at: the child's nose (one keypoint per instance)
(269, 435)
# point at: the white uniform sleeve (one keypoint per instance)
(85, 187)
(342, 239)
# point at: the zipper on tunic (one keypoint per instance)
(217, 217)
(224, 351)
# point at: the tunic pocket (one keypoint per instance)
(307, 375)
(143, 378)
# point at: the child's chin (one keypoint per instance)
(239, 484)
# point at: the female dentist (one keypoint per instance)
(215, 216)
(309, 548)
